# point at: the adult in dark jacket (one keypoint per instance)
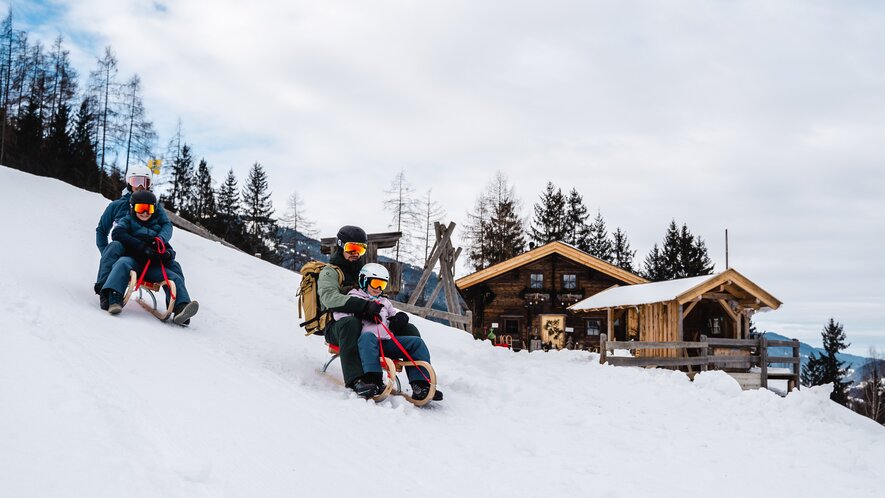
(137, 233)
(350, 246)
(138, 178)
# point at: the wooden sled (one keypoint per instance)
(150, 288)
(391, 368)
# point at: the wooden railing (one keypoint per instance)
(465, 320)
(704, 360)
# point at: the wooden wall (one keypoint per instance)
(510, 289)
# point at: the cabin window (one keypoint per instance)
(594, 326)
(511, 327)
(714, 325)
(536, 281)
(570, 281)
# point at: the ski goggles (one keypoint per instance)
(355, 247)
(139, 181)
(378, 283)
(143, 208)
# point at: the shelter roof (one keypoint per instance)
(682, 290)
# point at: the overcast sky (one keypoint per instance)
(766, 118)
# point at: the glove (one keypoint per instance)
(167, 256)
(370, 312)
(149, 252)
(397, 322)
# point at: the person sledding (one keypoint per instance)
(333, 284)
(148, 253)
(388, 332)
(137, 179)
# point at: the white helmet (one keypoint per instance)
(370, 271)
(139, 175)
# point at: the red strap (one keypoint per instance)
(161, 249)
(400, 346)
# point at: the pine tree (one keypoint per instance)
(506, 233)
(229, 226)
(83, 156)
(201, 208)
(549, 224)
(257, 211)
(476, 232)
(181, 193)
(693, 257)
(576, 230)
(622, 255)
(827, 368)
(479, 227)
(654, 266)
(681, 255)
(598, 240)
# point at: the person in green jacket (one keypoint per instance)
(347, 256)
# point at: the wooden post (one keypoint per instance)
(796, 365)
(705, 353)
(609, 317)
(763, 361)
(602, 350)
(443, 237)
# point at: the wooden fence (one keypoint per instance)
(709, 355)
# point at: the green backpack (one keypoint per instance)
(316, 318)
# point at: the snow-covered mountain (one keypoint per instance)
(93, 405)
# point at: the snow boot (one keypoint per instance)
(184, 312)
(102, 298)
(421, 388)
(365, 389)
(114, 301)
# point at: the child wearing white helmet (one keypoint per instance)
(373, 279)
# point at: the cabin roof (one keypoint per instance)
(566, 250)
(682, 290)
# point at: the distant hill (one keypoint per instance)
(854, 363)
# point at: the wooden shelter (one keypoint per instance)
(528, 295)
(376, 241)
(715, 306)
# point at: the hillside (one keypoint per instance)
(100, 406)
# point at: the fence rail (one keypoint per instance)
(757, 354)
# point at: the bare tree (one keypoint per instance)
(104, 85)
(140, 135)
(431, 211)
(403, 208)
(872, 388)
(295, 218)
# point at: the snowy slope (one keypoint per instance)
(98, 406)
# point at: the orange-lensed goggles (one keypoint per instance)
(143, 208)
(378, 283)
(355, 247)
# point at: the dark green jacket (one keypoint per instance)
(334, 297)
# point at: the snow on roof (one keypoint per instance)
(632, 295)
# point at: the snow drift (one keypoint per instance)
(98, 406)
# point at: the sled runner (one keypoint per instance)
(150, 288)
(391, 367)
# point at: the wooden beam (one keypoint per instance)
(442, 242)
(611, 323)
(717, 295)
(688, 310)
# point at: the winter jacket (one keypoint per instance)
(333, 296)
(119, 209)
(136, 235)
(387, 311)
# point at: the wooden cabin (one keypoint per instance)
(529, 295)
(717, 306)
